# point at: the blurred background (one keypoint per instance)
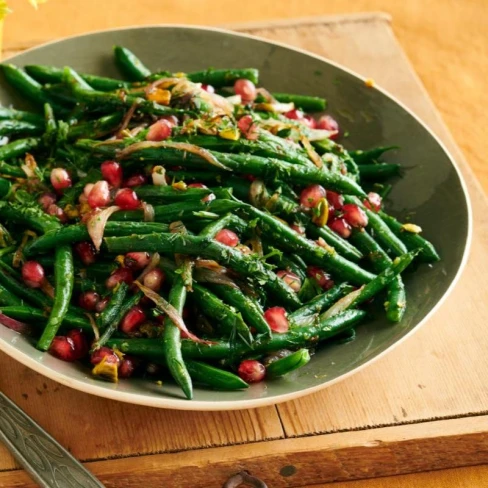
(446, 40)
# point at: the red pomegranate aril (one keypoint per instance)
(118, 276)
(57, 212)
(154, 279)
(276, 318)
(100, 306)
(246, 89)
(326, 122)
(354, 215)
(373, 202)
(136, 260)
(132, 320)
(311, 195)
(134, 180)
(251, 371)
(245, 123)
(80, 342)
(62, 347)
(46, 200)
(112, 173)
(341, 227)
(99, 195)
(298, 228)
(87, 190)
(309, 121)
(33, 274)
(60, 179)
(89, 300)
(127, 199)
(336, 200)
(291, 279)
(171, 119)
(294, 114)
(208, 88)
(104, 352)
(227, 237)
(127, 367)
(159, 131)
(321, 277)
(86, 252)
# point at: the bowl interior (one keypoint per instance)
(430, 192)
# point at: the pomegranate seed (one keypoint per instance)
(33, 274)
(99, 195)
(118, 276)
(63, 348)
(86, 252)
(326, 122)
(311, 195)
(87, 190)
(127, 367)
(294, 114)
(246, 89)
(136, 260)
(341, 227)
(251, 371)
(321, 277)
(112, 172)
(80, 342)
(57, 212)
(373, 202)
(104, 352)
(291, 279)
(276, 318)
(100, 307)
(197, 185)
(159, 131)
(309, 121)
(208, 88)
(46, 200)
(154, 279)
(354, 215)
(336, 200)
(132, 320)
(227, 237)
(298, 228)
(60, 179)
(245, 123)
(89, 300)
(171, 119)
(127, 199)
(135, 180)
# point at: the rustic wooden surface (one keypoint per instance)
(420, 381)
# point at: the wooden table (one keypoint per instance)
(424, 33)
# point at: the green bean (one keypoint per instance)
(287, 364)
(167, 194)
(223, 77)
(79, 232)
(18, 148)
(297, 337)
(12, 114)
(130, 65)
(70, 76)
(378, 172)
(19, 128)
(311, 309)
(63, 277)
(343, 247)
(214, 377)
(9, 299)
(205, 247)
(212, 229)
(381, 231)
(37, 317)
(31, 217)
(9, 170)
(411, 240)
(396, 302)
(305, 102)
(118, 315)
(172, 340)
(365, 157)
(111, 311)
(96, 128)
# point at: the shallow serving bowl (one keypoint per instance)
(431, 190)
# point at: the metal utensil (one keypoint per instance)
(47, 462)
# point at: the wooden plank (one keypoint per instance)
(300, 462)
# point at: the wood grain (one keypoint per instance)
(299, 462)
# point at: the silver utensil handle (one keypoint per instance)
(47, 462)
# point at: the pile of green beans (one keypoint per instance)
(152, 224)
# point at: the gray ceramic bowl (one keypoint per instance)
(433, 191)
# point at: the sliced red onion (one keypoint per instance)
(158, 175)
(203, 275)
(320, 134)
(170, 311)
(15, 325)
(266, 95)
(155, 258)
(30, 165)
(276, 107)
(343, 304)
(127, 117)
(96, 224)
(148, 210)
(312, 154)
